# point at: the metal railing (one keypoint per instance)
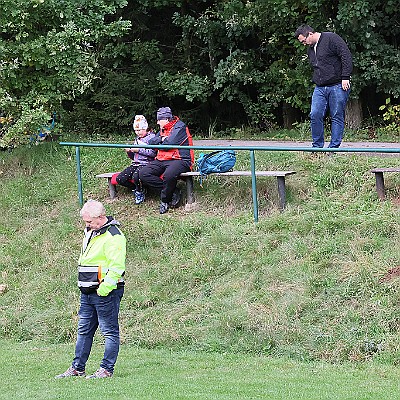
(251, 150)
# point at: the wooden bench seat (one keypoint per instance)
(188, 178)
(380, 182)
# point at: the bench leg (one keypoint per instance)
(189, 190)
(281, 192)
(380, 185)
(112, 188)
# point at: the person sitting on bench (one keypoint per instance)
(129, 177)
(164, 171)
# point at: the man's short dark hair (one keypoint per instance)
(303, 30)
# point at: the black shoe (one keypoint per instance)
(163, 207)
(176, 198)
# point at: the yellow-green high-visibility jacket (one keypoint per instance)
(102, 259)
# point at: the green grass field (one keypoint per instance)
(29, 369)
(291, 307)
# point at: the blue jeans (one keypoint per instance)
(334, 98)
(97, 311)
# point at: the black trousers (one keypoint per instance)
(129, 177)
(163, 175)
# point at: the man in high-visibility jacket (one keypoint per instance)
(100, 280)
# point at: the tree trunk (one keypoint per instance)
(289, 115)
(354, 114)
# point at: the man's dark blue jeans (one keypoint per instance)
(334, 98)
(97, 311)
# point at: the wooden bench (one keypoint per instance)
(380, 182)
(188, 178)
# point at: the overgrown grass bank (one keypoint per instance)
(304, 283)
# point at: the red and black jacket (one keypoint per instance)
(175, 132)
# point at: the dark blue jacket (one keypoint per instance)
(332, 62)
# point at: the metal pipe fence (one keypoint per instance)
(249, 148)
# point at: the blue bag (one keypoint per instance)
(217, 161)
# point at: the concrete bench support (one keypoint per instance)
(380, 181)
(112, 188)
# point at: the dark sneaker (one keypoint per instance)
(100, 373)
(176, 198)
(71, 371)
(139, 197)
(163, 207)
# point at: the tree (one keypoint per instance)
(50, 53)
(219, 64)
(373, 31)
(255, 61)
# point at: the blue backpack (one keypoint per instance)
(217, 161)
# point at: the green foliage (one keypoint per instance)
(372, 33)
(99, 62)
(50, 53)
(24, 128)
(192, 87)
(391, 116)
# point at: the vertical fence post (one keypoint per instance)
(254, 185)
(79, 174)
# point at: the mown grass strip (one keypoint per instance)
(29, 369)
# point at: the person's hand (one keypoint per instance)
(345, 84)
(102, 290)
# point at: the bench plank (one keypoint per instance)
(242, 173)
(385, 170)
(106, 175)
(188, 178)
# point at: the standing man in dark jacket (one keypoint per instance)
(331, 60)
(164, 171)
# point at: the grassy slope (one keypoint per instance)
(304, 283)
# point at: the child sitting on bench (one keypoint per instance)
(140, 157)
